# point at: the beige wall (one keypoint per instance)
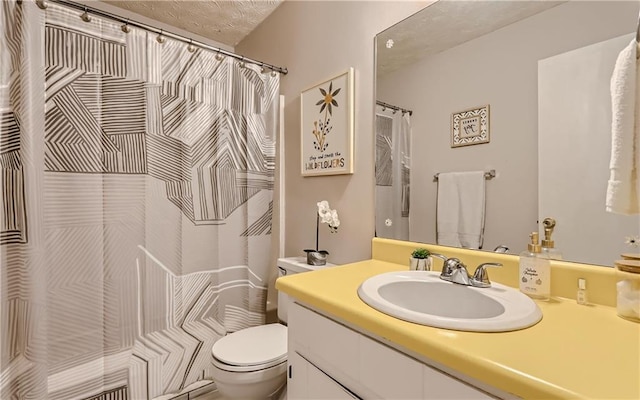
(316, 40)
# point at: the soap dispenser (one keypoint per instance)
(535, 270)
(548, 245)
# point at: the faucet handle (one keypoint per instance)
(450, 265)
(440, 256)
(480, 276)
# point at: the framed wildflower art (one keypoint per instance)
(327, 125)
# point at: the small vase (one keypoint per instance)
(316, 257)
(420, 264)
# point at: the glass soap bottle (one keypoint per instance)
(628, 289)
(535, 271)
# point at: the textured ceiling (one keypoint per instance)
(445, 24)
(226, 22)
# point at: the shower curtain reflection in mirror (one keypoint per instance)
(393, 167)
(135, 206)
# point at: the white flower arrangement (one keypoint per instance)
(327, 216)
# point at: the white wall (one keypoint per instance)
(316, 40)
(499, 69)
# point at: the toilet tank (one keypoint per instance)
(290, 266)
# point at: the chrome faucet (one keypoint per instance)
(454, 270)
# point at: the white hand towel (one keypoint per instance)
(460, 215)
(623, 190)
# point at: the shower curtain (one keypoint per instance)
(393, 167)
(136, 203)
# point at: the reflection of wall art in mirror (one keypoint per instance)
(470, 127)
(327, 125)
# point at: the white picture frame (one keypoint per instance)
(327, 126)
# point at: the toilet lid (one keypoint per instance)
(253, 346)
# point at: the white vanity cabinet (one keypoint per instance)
(330, 361)
(306, 381)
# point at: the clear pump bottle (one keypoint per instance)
(535, 270)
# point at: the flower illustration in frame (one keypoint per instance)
(327, 126)
(322, 126)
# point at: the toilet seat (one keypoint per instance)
(251, 349)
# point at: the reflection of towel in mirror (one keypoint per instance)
(460, 212)
(623, 191)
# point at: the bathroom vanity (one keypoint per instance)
(339, 347)
(328, 360)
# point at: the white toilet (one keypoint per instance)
(252, 363)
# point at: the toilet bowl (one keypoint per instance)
(252, 363)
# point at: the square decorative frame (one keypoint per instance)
(470, 127)
(327, 126)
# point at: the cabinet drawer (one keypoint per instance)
(306, 381)
(324, 342)
(388, 373)
(365, 366)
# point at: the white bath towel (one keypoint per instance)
(460, 212)
(623, 190)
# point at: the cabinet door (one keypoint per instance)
(297, 376)
(306, 381)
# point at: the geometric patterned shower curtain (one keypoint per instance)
(135, 206)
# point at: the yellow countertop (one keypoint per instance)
(576, 351)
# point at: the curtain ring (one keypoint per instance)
(42, 4)
(85, 15)
(242, 64)
(191, 48)
(219, 56)
(125, 28)
(161, 39)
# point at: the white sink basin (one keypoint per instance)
(422, 297)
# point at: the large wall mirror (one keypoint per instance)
(543, 69)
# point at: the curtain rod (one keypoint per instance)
(88, 9)
(387, 105)
(487, 175)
